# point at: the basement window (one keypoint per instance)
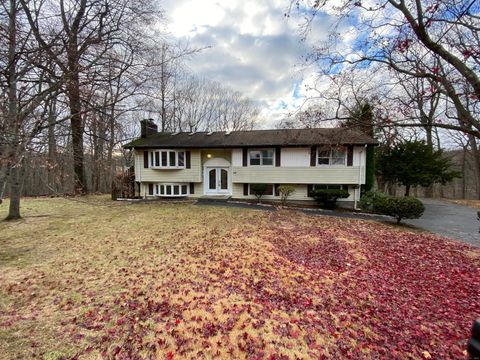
(171, 190)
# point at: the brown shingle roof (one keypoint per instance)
(253, 138)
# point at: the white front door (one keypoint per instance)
(217, 181)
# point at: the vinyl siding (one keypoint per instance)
(295, 169)
(299, 175)
(295, 157)
(237, 157)
(299, 194)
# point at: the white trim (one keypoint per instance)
(261, 158)
(218, 164)
(157, 189)
(330, 153)
(151, 159)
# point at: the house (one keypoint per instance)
(198, 164)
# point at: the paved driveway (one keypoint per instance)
(450, 220)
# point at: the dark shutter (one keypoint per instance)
(350, 155)
(278, 154)
(145, 159)
(192, 188)
(245, 157)
(187, 160)
(309, 189)
(277, 193)
(150, 189)
(313, 156)
(245, 189)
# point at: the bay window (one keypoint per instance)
(167, 190)
(167, 159)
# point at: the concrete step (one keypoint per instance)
(214, 198)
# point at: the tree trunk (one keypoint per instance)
(11, 168)
(76, 121)
(52, 147)
(476, 163)
(463, 182)
(407, 190)
(428, 190)
(3, 181)
(15, 192)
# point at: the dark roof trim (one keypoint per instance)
(253, 139)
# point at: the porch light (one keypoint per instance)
(209, 156)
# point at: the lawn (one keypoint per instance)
(95, 279)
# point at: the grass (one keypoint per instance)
(96, 279)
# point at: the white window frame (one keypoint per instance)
(160, 189)
(261, 157)
(330, 186)
(152, 159)
(331, 157)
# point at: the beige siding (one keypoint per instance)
(237, 157)
(216, 153)
(299, 175)
(194, 174)
(295, 157)
(359, 155)
(301, 193)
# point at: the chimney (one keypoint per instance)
(148, 127)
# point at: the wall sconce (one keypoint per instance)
(209, 156)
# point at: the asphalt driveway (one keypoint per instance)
(451, 220)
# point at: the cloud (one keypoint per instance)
(252, 49)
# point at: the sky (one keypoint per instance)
(252, 48)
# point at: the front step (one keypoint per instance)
(214, 198)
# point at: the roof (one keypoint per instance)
(253, 138)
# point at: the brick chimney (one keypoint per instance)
(148, 127)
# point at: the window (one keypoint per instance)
(335, 156)
(171, 190)
(261, 157)
(268, 191)
(330, 186)
(170, 159)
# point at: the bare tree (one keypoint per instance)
(24, 90)
(76, 35)
(428, 39)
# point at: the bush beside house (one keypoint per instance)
(285, 191)
(327, 198)
(399, 208)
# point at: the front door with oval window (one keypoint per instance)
(217, 181)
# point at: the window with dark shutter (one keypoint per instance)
(313, 156)
(278, 154)
(187, 160)
(150, 189)
(192, 188)
(245, 157)
(145, 159)
(245, 189)
(350, 155)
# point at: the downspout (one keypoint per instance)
(359, 185)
